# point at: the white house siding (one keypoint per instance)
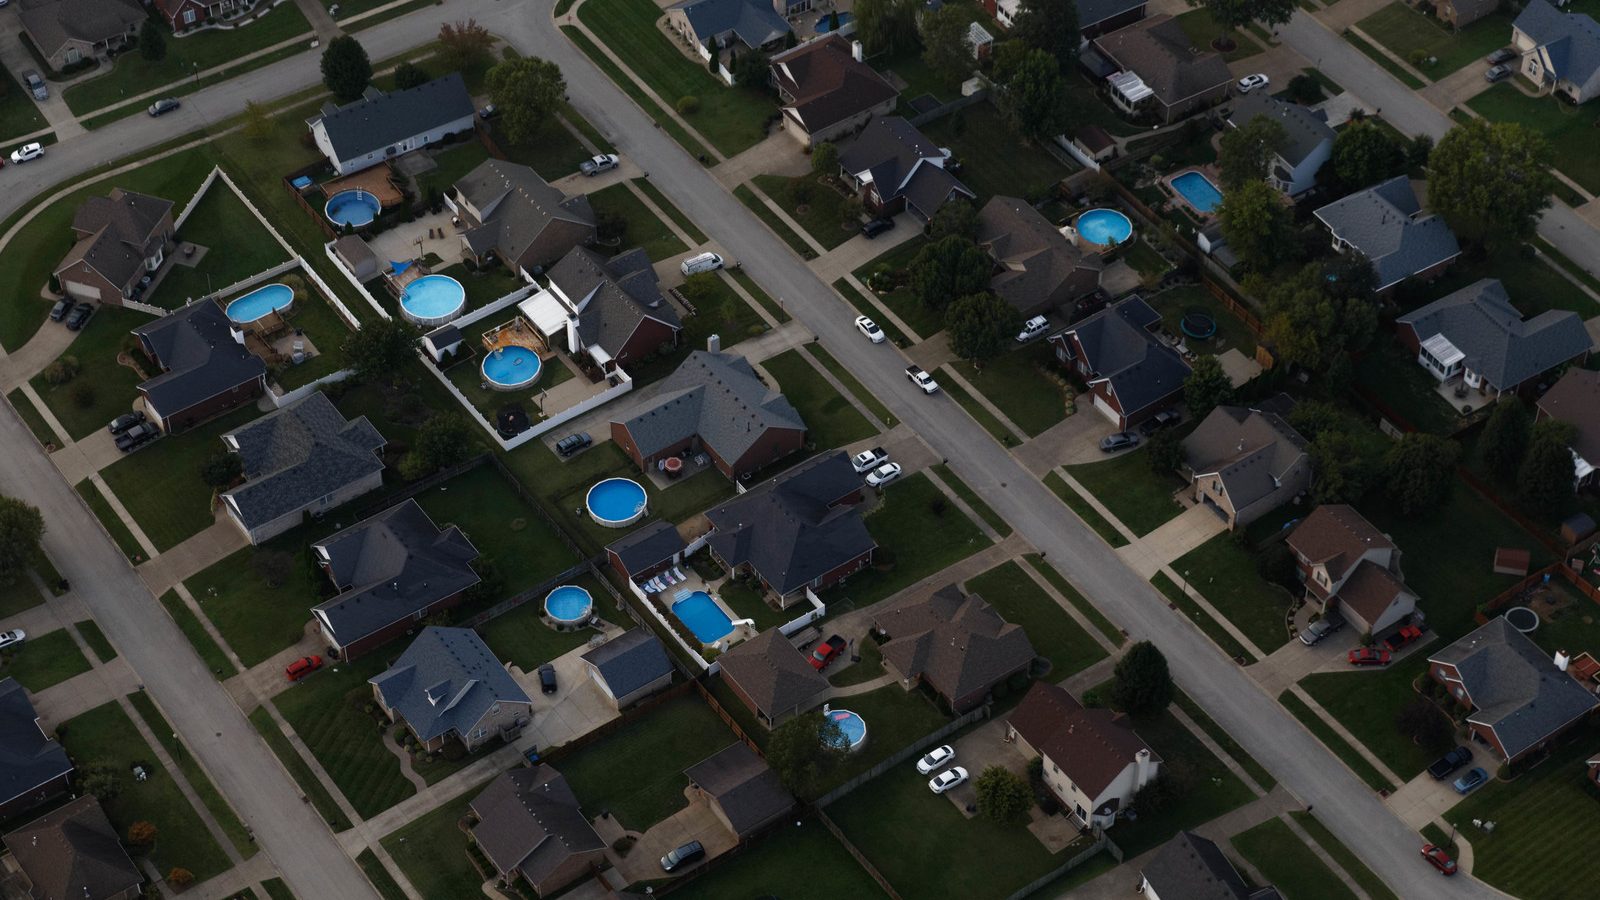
(272, 529)
(1305, 174)
(415, 142)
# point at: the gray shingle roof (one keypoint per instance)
(772, 673)
(1093, 11)
(754, 22)
(390, 567)
(612, 295)
(897, 158)
(717, 396)
(827, 83)
(957, 643)
(1382, 223)
(28, 756)
(379, 120)
(1158, 50)
(1498, 343)
(117, 233)
(195, 347)
(1121, 349)
(529, 821)
(518, 205)
(298, 454)
(1037, 263)
(72, 853)
(1252, 452)
(1190, 867)
(445, 682)
(1576, 399)
(52, 23)
(1514, 686)
(1571, 39)
(631, 661)
(1304, 129)
(654, 543)
(742, 783)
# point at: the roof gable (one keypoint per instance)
(772, 673)
(717, 396)
(379, 120)
(1033, 259)
(1571, 41)
(753, 22)
(827, 83)
(1304, 129)
(298, 454)
(630, 661)
(73, 852)
(1496, 341)
(743, 785)
(1382, 222)
(29, 758)
(1334, 535)
(958, 644)
(1253, 453)
(446, 682)
(1161, 54)
(1119, 347)
(197, 349)
(1091, 746)
(1575, 399)
(529, 820)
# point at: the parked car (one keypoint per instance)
(701, 262)
(36, 85)
(594, 165)
(1405, 637)
(27, 152)
(1444, 765)
(1503, 55)
(489, 112)
(60, 310)
(302, 667)
(1369, 656)
(883, 474)
(163, 106)
(869, 328)
(1252, 82)
(867, 460)
(136, 437)
(688, 854)
(79, 316)
(1320, 629)
(922, 379)
(1033, 328)
(826, 652)
(1496, 73)
(937, 758)
(1439, 859)
(1471, 781)
(125, 421)
(1121, 440)
(572, 443)
(11, 640)
(1159, 421)
(947, 779)
(875, 227)
(547, 678)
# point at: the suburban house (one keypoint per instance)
(381, 126)
(1307, 139)
(1575, 399)
(449, 686)
(1477, 336)
(1095, 17)
(1458, 14)
(799, 532)
(303, 459)
(529, 826)
(629, 668)
(1036, 269)
(1350, 566)
(1093, 761)
(646, 551)
(185, 14)
(772, 678)
(1560, 50)
(33, 767)
(735, 27)
(893, 167)
(826, 91)
(716, 404)
(1190, 867)
(1385, 224)
(73, 853)
(609, 310)
(1160, 72)
(120, 239)
(70, 31)
(508, 211)
(1244, 463)
(391, 571)
(954, 643)
(1130, 373)
(205, 368)
(740, 789)
(1520, 699)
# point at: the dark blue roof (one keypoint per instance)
(630, 662)
(445, 682)
(28, 757)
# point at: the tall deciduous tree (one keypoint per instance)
(957, 217)
(804, 750)
(1491, 180)
(346, 71)
(1364, 154)
(465, 45)
(1316, 315)
(1255, 223)
(1207, 387)
(1141, 684)
(527, 91)
(980, 325)
(1051, 26)
(1419, 471)
(1232, 15)
(944, 44)
(382, 350)
(825, 158)
(887, 26)
(1034, 97)
(1546, 476)
(947, 269)
(1003, 796)
(442, 441)
(1505, 438)
(409, 75)
(21, 528)
(1339, 470)
(152, 41)
(752, 70)
(1244, 153)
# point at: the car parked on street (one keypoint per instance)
(883, 474)
(874, 227)
(867, 460)
(827, 652)
(163, 106)
(1444, 765)
(922, 379)
(869, 328)
(594, 165)
(136, 437)
(60, 310)
(1253, 82)
(1471, 781)
(700, 262)
(1496, 73)
(1439, 859)
(936, 759)
(572, 443)
(11, 640)
(547, 678)
(1320, 629)
(1368, 656)
(302, 667)
(125, 421)
(27, 152)
(1121, 440)
(79, 316)
(947, 779)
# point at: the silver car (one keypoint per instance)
(1496, 73)
(605, 162)
(11, 640)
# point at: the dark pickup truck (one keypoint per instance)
(1444, 765)
(1405, 637)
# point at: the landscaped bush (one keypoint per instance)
(62, 370)
(688, 105)
(623, 844)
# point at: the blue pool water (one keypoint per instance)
(259, 302)
(433, 298)
(823, 25)
(1104, 226)
(568, 603)
(353, 208)
(703, 616)
(616, 501)
(511, 367)
(853, 726)
(1198, 190)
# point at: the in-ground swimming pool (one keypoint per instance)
(354, 208)
(433, 300)
(1196, 188)
(853, 726)
(825, 24)
(703, 616)
(568, 604)
(510, 368)
(616, 502)
(1105, 227)
(259, 302)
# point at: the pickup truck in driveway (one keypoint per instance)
(1444, 765)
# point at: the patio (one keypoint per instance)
(433, 233)
(1461, 398)
(987, 746)
(743, 628)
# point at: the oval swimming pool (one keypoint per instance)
(568, 604)
(354, 208)
(852, 725)
(433, 300)
(511, 368)
(616, 502)
(1198, 190)
(260, 302)
(703, 616)
(1105, 227)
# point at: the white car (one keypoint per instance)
(27, 152)
(947, 779)
(922, 379)
(937, 758)
(869, 328)
(11, 640)
(605, 162)
(883, 474)
(1033, 328)
(1251, 82)
(867, 460)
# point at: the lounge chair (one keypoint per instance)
(679, 572)
(667, 579)
(653, 586)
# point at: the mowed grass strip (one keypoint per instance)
(778, 225)
(852, 384)
(919, 532)
(45, 660)
(979, 413)
(1344, 856)
(1125, 485)
(1053, 633)
(188, 623)
(385, 884)
(684, 223)
(1331, 739)
(297, 768)
(1258, 772)
(1225, 574)
(1015, 382)
(96, 639)
(1285, 860)
(31, 417)
(1213, 629)
(971, 498)
(631, 88)
(1078, 601)
(237, 834)
(1084, 510)
(120, 534)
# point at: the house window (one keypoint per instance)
(188, 17)
(1322, 577)
(1080, 813)
(1054, 769)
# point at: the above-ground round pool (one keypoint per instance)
(703, 616)
(568, 604)
(511, 368)
(433, 300)
(1198, 190)
(260, 302)
(852, 725)
(825, 24)
(354, 208)
(1105, 227)
(616, 502)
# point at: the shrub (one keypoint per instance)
(937, 505)
(688, 105)
(61, 371)
(141, 833)
(179, 877)
(272, 566)
(83, 395)
(623, 844)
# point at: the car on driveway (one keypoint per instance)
(488, 112)
(302, 667)
(1033, 328)
(36, 85)
(936, 759)
(163, 106)
(1405, 637)
(1439, 859)
(689, 853)
(922, 379)
(874, 227)
(27, 152)
(1496, 73)
(1160, 420)
(60, 310)
(827, 652)
(572, 443)
(1320, 629)
(1368, 656)
(947, 779)
(1471, 781)
(883, 474)
(79, 316)
(125, 421)
(867, 460)
(869, 328)
(1121, 440)
(1503, 55)
(1252, 82)
(547, 678)
(136, 437)
(594, 165)
(11, 640)
(1444, 765)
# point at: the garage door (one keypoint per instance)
(1101, 404)
(77, 290)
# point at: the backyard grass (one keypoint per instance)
(773, 307)
(1202, 29)
(1347, 860)
(1078, 601)
(1014, 383)
(507, 531)
(817, 205)
(1366, 704)
(971, 498)
(979, 413)
(237, 246)
(1145, 260)
(432, 852)
(102, 389)
(924, 321)
(17, 595)
(46, 659)
(897, 719)
(1140, 498)
(1225, 574)
(229, 822)
(650, 107)
(1232, 332)
(1383, 60)
(31, 417)
(521, 638)
(188, 623)
(1203, 620)
(643, 228)
(870, 666)
(451, 164)
(297, 768)
(485, 285)
(1388, 372)
(803, 861)
(770, 219)
(1081, 508)
(684, 223)
(1406, 32)
(719, 310)
(1285, 861)
(382, 881)
(327, 331)
(852, 384)
(831, 421)
(864, 306)
(1054, 634)
(918, 532)
(1256, 771)
(96, 639)
(748, 603)
(1331, 739)
(994, 160)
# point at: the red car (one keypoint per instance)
(1407, 635)
(826, 651)
(1439, 859)
(302, 667)
(1369, 656)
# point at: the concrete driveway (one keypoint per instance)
(695, 822)
(1422, 799)
(576, 708)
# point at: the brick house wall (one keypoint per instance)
(27, 800)
(363, 645)
(194, 414)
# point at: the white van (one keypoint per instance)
(703, 262)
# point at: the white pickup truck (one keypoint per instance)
(922, 379)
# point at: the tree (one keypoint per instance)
(1426, 726)
(825, 158)
(1364, 154)
(1339, 472)
(465, 45)
(957, 217)
(1034, 97)
(1243, 154)
(1207, 387)
(1317, 315)
(1545, 479)
(142, 833)
(381, 350)
(152, 43)
(409, 75)
(1051, 26)
(944, 44)
(346, 71)
(99, 780)
(804, 750)
(257, 121)
(1003, 796)
(1505, 438)
(751, 70)
(1141, 684)
(179, 877)
(21, 528)
(1419, 470)
(441, 442)
(714, 61)
(887, 26)
(527, 91)
(1255, 223)
(1231, 15)
(1490, 181)
(980, 325)
(948, 269)
(1166, 451)
(221, 469)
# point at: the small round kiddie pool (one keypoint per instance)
(260, 302)
(433, 300)
(616, 502)
(354, 208)
(1105, 227)
(851, 725)
(511, 368)
(568, 605)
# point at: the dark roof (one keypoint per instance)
(957, 644)
(445, 682)
(717, 396)
(1370, 590)
(1252, 452)
(1304, 129)
(1094, 138)
(1514, 686)
(630, 661)
(444, 336)
(611, 296)
(827, 83)
(1498, 343)
(1091, 746)
(655, 543)
(772, 673)
(529, 821)
(1121, 348)
(52, 23)
(1383, 223)
(298, 454)
(390, 567)
(29, 758)
(1575, 399)
(742, 783)
(1036, 262)
(72, 853)
(1190, 867)
(518, 206)
(1334, 535)
(752, 21)
(378, 120)
(1572, 41)
(117, 233)
(196, 349)
(793, 529)
(893, 155)
(1160, 53)
(1093, 11)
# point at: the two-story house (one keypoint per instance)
(1244, 463)
(119, 239)
(1130, 373)
(1307, 139)
(1350, 566)
(448, 686)
(1094, 762)
(1560, 50)
(826, 90)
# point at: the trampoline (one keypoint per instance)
(1522, 619)
(1198, 324)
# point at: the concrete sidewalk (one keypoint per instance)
(194, 555)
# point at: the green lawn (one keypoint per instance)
(327, 331)
(773, 308)
(1081, 508)
(1347, 860)
(451, 165)
(1075, 597)
(1202, 29)
(1142, 499)
(103, 389)
(778, 226)
(979, 413)
(925, 322)
(684, 223)
(255, 618)
(507, 531)
(1286, 862)
(432, 852)
(1225, 574)
(381, 880)
(237, 246)
(831, 421)
(1213, 789)
(1341, 748)
(1406, 32)
(1013, 383)
(1391, 374)
(817, 205)
(1387, 64)
(870, 666)
(1366, 703)
(1232, 332)
(277, 890)
(18, 113)
(971, 498)
(309, 786)
(802, 861)
(554, 151)
(748, 603)
(45, 660)
(897, 719)
(30, 416)
(1533, 284)
(188, 623)
(919, 532)
(1569, 130)
(650, 107)
(644, 229)
(485, 285)
(994, 160)
(1054, 634)
(720, 310)
(1257, 772)
(96, 639)
(17, 595)
(237, 834)
(1203, 620)
(852, 384)
(522, 639)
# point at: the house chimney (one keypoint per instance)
(714, 343)
(1145, 767)
(856, 51)
(1562, 659)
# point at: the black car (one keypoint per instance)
(125, 421)
(573, 442)
(547, 678)
(876, 227)
(136, 437)
(1444, 765)
(79, 316)
(689, 853)
(60, 310)
(1159, 421)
